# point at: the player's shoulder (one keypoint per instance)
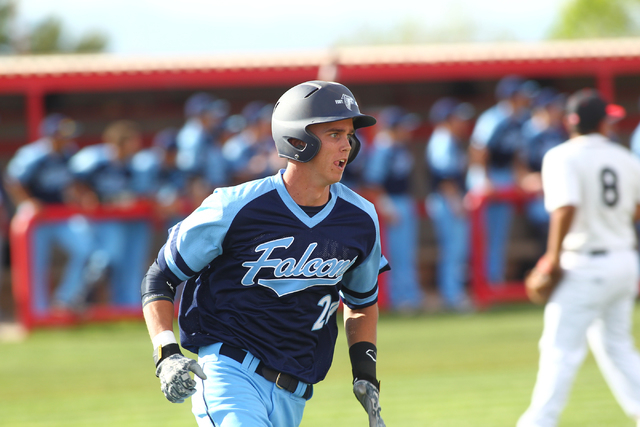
(27, 157)
(146, 160)
(241, 194)
(347, 194)
(90, 158)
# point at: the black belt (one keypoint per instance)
(598, 252)
(281, 380)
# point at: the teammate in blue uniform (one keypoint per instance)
(494, 163)
(543, 131)
(199, 151)
(446, 156)
(39, 175)
(265, 265)
(388, 174)
(250, 154)
(156, 176)
(106, 174)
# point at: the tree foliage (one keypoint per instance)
(597, 19)
(45, 37)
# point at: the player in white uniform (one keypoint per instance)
(592, 191)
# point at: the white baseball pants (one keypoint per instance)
(593, 305)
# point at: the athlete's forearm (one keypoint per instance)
(159, 317)
(361, 324)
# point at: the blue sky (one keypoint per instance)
(171, 27)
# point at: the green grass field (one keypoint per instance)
(436, 370)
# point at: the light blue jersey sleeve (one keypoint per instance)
(88, 159)
(145, 166)
(23, 164)
(197, 240)
(486, 124)
(360, 285)
(441, 154)
(378, 162)
(190, 146)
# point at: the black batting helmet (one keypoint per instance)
(310, 103)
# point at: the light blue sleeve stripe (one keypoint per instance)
(364, 278)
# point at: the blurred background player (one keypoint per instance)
(634, 141)
(157, 177)
(592, 190)
(493, 162)
(446, 156)
(106, 174)
(543, 131)
(388, 175)
(199, 149)
(250, 154)
(38, 175)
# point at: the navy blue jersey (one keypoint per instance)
(536, 146)
(390, 165)
(97, 166)
(505, 142)
(264, 276)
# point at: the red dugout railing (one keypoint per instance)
(23, 224)
(483, 292)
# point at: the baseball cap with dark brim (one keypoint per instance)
(587, 106)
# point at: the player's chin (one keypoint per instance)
(336, 176)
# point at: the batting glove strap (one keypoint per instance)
(369, 397)
(164, 351)
(175, 381)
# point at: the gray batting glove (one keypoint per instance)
(175, 381)
(369, 397)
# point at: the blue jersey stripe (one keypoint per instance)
(177, 258)
(168, 256)
(360, 295)
(165, 268)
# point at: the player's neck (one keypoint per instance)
(303, 190)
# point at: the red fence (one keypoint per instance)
(23, 224)
(26, 221)
(482, 291)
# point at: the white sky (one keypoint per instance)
(223, 26)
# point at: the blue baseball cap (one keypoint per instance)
(549, 96)
(166, 139)
(446, 107)
(395, 116)
(511, 85)
(60, 125)
(204, 103)
(257, 111)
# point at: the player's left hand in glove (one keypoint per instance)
(369, 396)
(175, 381)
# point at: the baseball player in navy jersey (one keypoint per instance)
(592, 191)
(265, 265)
(39, 175)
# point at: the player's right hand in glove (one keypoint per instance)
(369, 396)
(175, 381)
(542, 280)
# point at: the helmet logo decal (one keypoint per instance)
(347, 101)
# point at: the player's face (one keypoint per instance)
(331, 160)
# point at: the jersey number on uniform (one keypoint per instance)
(609, 181)
(328, 308)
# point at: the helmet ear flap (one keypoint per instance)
(355, 147)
